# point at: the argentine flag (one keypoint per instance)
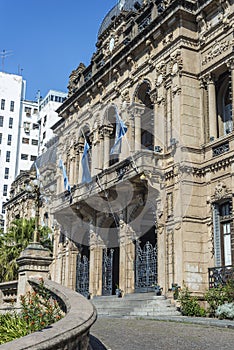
(67, 187)
(86, 176)
(120, 131)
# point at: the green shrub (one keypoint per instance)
(189, 305)
(225, 311)
(12, 326)
(39, 310)
(219, 295)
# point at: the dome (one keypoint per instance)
(125, 5)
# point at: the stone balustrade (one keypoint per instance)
(69, 333)
(8, 293)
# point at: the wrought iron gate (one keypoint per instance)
(82, 275)
(107, 272)
(145, 267)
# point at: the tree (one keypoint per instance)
(14, 241)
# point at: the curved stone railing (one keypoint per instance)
(69, 333)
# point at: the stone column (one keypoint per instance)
(137, 130)
(34, 261)
(95, 264)
(126, 259)
(230, 65)
(106, 131)
(203, 114)
(95, 153)
(212, 107)
(76, 165)
(100, 150)
(71, 260)
(169, 113)
(80, 153)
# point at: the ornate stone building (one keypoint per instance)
(160, 211)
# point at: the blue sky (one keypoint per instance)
(46, 39)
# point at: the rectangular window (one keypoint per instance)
(8, 156)
(44, 135)
(34, 142)
(33, 158)
(45, 119)
(24, 156)
(5, 190)
(3, 210)
(0, 138)
(10, 123)
(9, 140)
(28, 111)
(12, 106)
(222, 234)
(25, 140)
(35, 126)
(27, 127)
(6, 176)
(3, 104)
(1, 120)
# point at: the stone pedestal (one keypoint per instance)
(34, 261)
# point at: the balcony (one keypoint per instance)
(220, 275)
(144, 161)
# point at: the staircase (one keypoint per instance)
(143, 305)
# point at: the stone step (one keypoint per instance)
(134, 305)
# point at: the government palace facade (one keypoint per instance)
(160, 210)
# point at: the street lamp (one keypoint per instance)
(34, 188)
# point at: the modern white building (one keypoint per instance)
(19, 133)
(25, 130)
(48, 116)
(28, 136)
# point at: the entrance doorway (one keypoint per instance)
(146, 256)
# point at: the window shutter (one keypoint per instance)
(217, 239)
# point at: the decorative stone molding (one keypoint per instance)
(74, 78)
(161, 100)
(230, 63)
(218, 48)
(220, 190)
(161, 73)
(167, 39)
(176, 90)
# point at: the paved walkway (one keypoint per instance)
(163, 333)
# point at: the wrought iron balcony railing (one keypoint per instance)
(220, 275)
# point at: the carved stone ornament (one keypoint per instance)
(217, 49)
(74, 76)
(220, 190)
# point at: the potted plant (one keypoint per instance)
(118, 291)
(158, 289)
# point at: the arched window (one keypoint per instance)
(225, 122)
(147, 116)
